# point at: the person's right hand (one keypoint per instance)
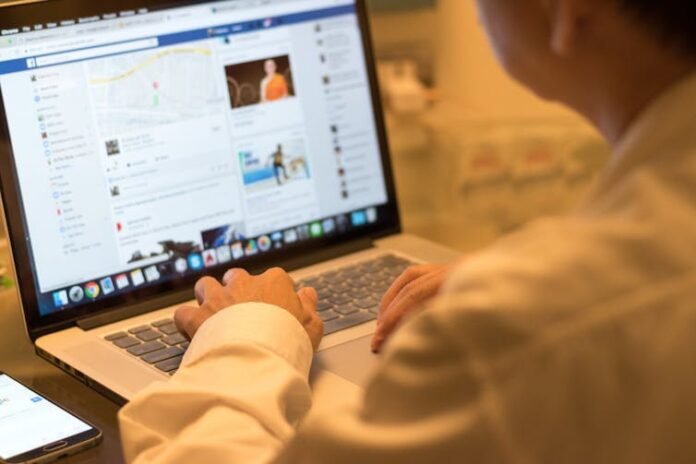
(407, 294)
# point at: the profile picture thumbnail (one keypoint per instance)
(113, 147)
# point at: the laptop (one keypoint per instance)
(145, 144)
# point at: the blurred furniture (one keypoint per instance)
(465, 181)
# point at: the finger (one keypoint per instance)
(312, 322)
(309, 298)
(412, 297)
(233, 275)
(279, 275)
(315, 329)
(204, 287)
(408, 276)
(188, 319)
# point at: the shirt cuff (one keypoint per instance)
(268, 326)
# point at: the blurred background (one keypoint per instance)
(475, 155)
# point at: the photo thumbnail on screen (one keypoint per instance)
(260, 81)
(269, 165)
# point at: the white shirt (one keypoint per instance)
(571, 341)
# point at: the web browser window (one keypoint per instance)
(172, 141)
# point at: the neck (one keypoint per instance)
(626, 91)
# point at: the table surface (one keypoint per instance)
(17, 358)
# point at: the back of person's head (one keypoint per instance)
(673, 21)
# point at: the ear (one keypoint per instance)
(567, 18)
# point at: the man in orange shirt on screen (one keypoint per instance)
(273, 86)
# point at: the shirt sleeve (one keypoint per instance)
(241, 390)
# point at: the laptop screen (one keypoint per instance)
(152, 146)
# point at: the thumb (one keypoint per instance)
(308, 298)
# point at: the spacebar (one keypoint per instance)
(348, 321)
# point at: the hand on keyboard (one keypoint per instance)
(274, 287)
(407, 294)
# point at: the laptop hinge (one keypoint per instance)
(318, 256)
(324, 254)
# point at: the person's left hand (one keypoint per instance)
(274, 287)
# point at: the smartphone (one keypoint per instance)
(36, 430)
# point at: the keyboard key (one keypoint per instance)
(174, 339)
(126, 342)
(185, 345)
(162, 322)
(148, 335)
(346, 322)
(168, 329)
(346, 310)
(116, 336)
(146, 348)
(340, 300)
(328, 316)
(365, 303)
(162, 355)
(334, 279)
(140, 328)
(360, 295)
(171, 364)
(324, 306)
(340, 289)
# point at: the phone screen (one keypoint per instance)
(28, 421)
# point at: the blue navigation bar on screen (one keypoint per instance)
(28, 63)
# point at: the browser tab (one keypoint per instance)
(68, 22)
(127, 13)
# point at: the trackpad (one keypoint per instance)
(354, 361)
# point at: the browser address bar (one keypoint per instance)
(59, 58)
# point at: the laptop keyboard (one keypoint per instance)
(348, 296)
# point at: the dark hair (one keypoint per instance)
(672, 20)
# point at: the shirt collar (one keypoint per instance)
(662, 130)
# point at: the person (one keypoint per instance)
(571, 341)
(278, 160)
(273, 86)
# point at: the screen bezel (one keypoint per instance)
(91, 435)
(180, 289)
